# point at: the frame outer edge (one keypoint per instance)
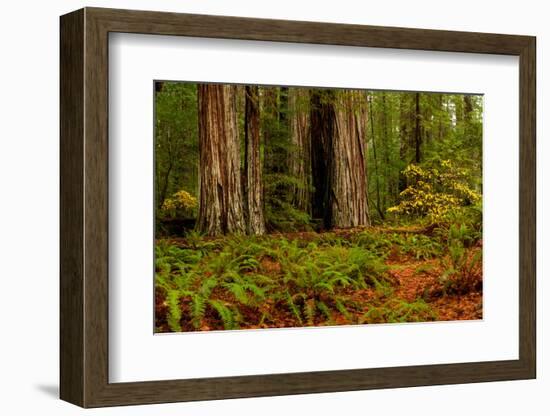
(84, 204)
(96, 209)
(72, 342)
(528, 211)
(309, 32)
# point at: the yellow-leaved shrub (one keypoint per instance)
(434, 191)
(180, 202)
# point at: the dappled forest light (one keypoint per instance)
(291, 206)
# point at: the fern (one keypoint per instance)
(174, 310)
(325, 310)
(293, 308)
(255, 290)
(239, 292)
(235, 281)
(398, 310)
(310, 311)
(198, 310)
(207, 286)
(340, 305)
(225, 314)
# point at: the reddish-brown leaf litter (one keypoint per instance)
(415, 279)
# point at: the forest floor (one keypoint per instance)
(353, 276)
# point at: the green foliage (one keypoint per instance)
(176, 141)
(449, 127)
(398, 310)
(228, 316)
(462, 266)
(174, 315)
(435, 191)
(421, 247)
(240, 282)
(292, 306)
(379, 244)
(311, 279)
(280, 213)
(469, 217)
(198, 309)
(181, 204)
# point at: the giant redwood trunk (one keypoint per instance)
(253, 167)
(300, 151)
(220, 205)
(338, 157)
(348, 182)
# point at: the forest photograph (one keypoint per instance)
(281, 206)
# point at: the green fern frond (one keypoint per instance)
(310, 311)
(325, 310)
(198, 309)
(324, 285)
(255, 290)
(225, 314)
(174, 310)
(207, 286)
(293, 308)
(340, 305)
(239, 292)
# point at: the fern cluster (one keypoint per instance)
(463, 267)
(398, 310)
(252, 281)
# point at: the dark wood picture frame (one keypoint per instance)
(84, 207)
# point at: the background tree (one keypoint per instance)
(176, 140)
(286, 179)
(417, 129)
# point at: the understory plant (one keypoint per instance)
(462, 265)
(239, 281)
(435, 190)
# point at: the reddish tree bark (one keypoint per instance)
(220, 204)
(348, 182)
(300, 154)
(253, 166)
(338, 123)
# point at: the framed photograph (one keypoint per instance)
(255, 207)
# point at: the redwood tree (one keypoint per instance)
(338, 155)
(348, 183)
(253, 166)
(220, 204)
(300, 151)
